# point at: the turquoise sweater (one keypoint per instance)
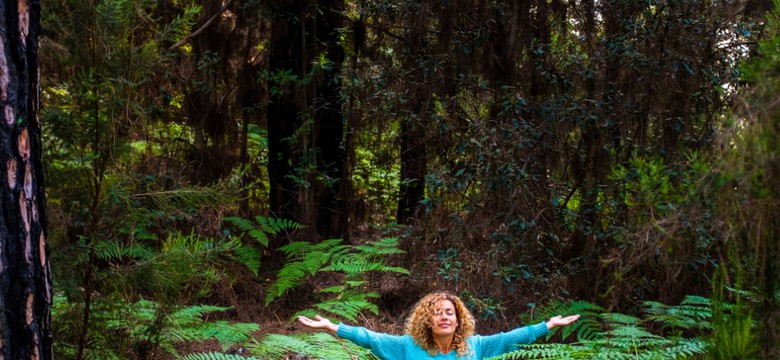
(402, 347)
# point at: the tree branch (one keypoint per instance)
(202, 28)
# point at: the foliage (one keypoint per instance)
(605, 335)
(736, 334)
(320, 346)
(263, 226)
(216, 356)
(184, 269)
(747, 204)
(354, 262)
(145, 326)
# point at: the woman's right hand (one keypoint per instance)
(318, 323)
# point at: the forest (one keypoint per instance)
(214, 169)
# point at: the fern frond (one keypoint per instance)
(353, 265)
(261, 227)
(543, 351)
(250, 228)
(685, 348)
(298, 249)
(589, 324)
(632, 333)
(316, 346)
(351, 306)
(694, 312)
(249, 257)
(616, 319)
(304, 260)
(385, 246)
(112, 250)
(216, 356)
(347, 299)
(274, 225)
(224, 332)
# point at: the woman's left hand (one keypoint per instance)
(558, 321)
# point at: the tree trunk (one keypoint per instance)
(331, 151)
(286, 55)
(414, 158)
(413, 169)
(25, 285)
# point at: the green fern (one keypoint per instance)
(216, 356)
(694, 312)
(249, 257)
(114, 251)
(619, 336)
(148, 321)
(315, 346)
(263, 226)
(586, 327)
(350, 303)
(349, 298)
(303, 260)
(544, 351)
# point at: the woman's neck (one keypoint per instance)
(444, 343)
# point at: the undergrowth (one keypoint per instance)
(682, 331)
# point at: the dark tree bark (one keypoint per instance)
(331, 151)
(414, 157)
(25, 285)
(413, 170)
(286, 55)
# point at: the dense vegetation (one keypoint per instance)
(213, 167)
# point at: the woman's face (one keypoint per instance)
(445, 319)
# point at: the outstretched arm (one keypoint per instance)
(561, 321)
(384, 346)
(318, 323)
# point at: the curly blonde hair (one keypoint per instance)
(418, 324)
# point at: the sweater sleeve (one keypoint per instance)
(502, 343)
(384, 346)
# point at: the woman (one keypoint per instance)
(440, 327)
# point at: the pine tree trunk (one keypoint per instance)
(25, 285)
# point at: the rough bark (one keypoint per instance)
(25, 286)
